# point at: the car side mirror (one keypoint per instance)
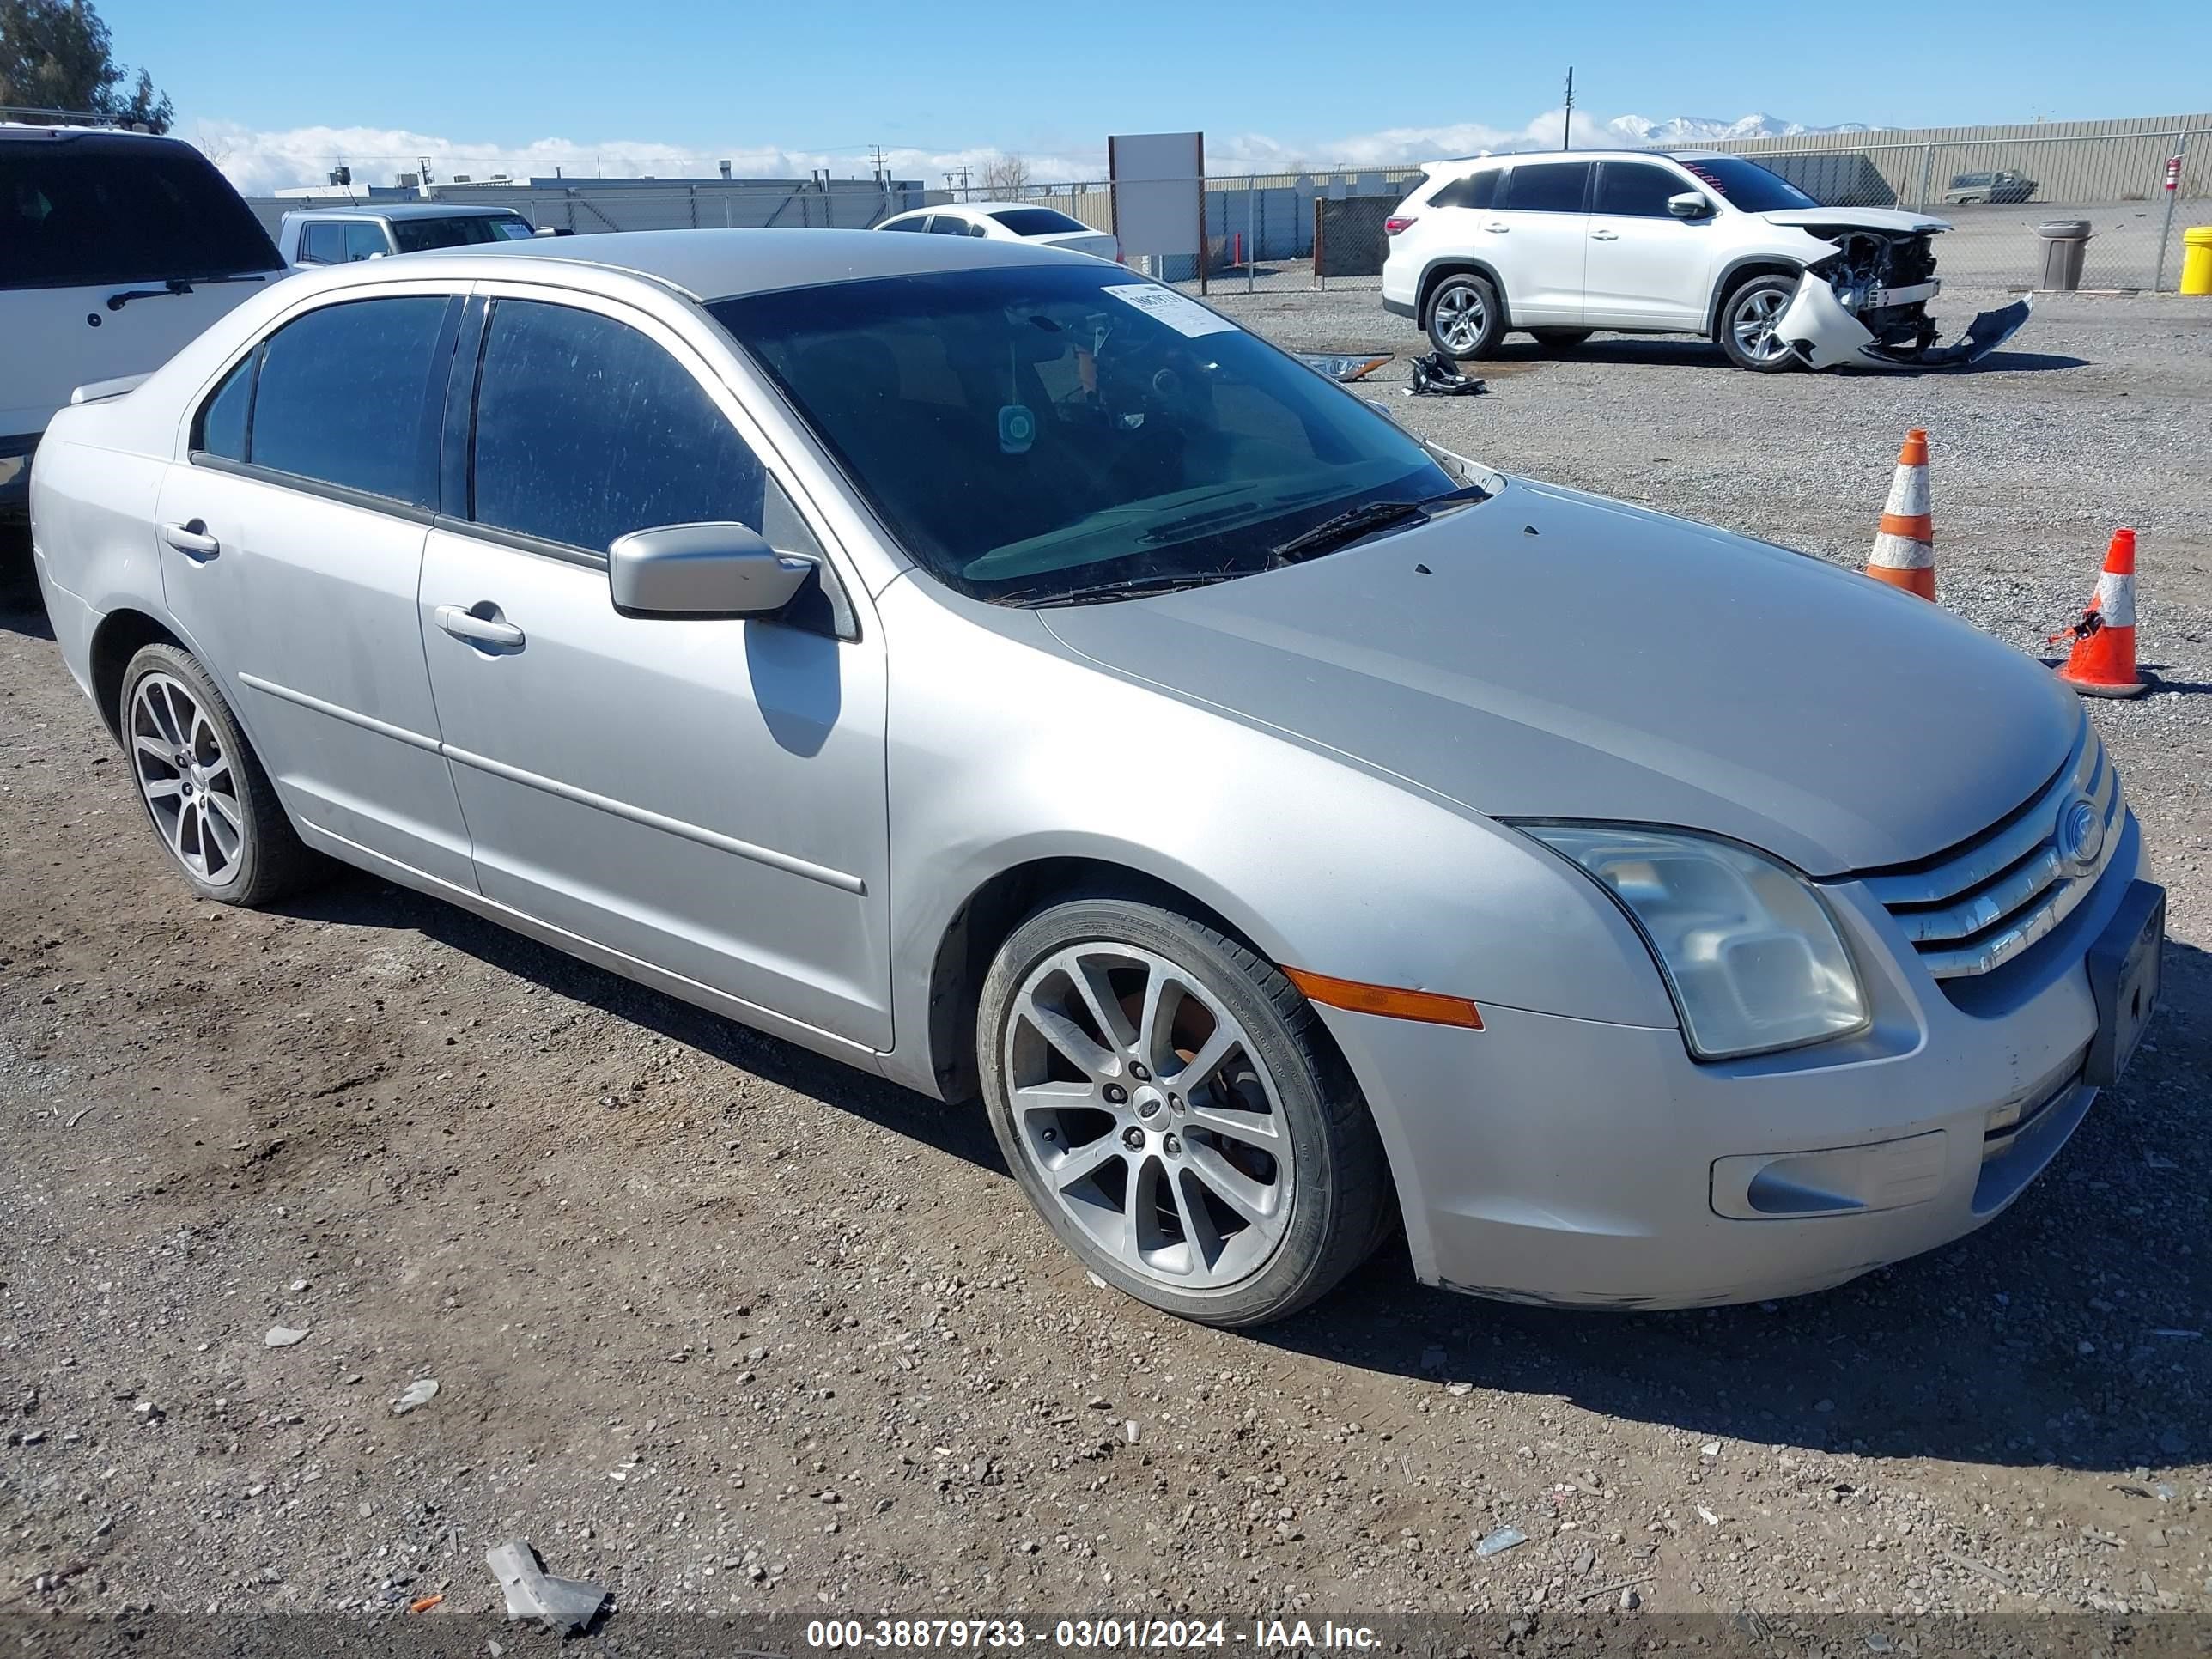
(1690, 204)
(544, 230)
(702, 570)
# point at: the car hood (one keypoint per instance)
(1856, 218)
(1566, 656)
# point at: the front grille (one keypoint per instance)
(1975, 908)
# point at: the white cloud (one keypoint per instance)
(258, 162)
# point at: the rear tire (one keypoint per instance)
(202, 787)
(1231, 1197)
(1747, 325)
(1466, 320)
(1561, 339)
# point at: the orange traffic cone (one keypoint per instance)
(2103, 663)
(1904, 546)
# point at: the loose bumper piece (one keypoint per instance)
(1825, 336)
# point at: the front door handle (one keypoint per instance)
(1605, 236)
(477, 628)
(1498, 230)
(192, 540)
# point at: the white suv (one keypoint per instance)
(1561, 245)
(115, 249)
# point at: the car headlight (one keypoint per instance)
(1749, 949)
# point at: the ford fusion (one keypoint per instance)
(1009, 676)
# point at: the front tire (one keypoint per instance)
(202, 787)
(1747, 320)
(1172, 1107)
(1466, 320)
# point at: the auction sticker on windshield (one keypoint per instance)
(1183, 315)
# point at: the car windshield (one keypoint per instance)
(1746, 184)
(1033, 434)
(1037, 220)
(77, 212)
(414, 235)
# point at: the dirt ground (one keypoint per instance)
(723, 1326)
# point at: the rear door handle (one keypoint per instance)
(478, 629)
(192, 540)
(1605, 236)
(1498, 230)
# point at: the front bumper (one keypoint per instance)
(1572, 1162)
(1825, 336)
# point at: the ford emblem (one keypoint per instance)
(2080, 835)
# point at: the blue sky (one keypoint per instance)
(1049, 80)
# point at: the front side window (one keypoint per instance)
(1746, 185)
(1636, 190)
(364, 241)
(585, 429)
(344, 397)
(1037, 220)
(1032, 433)
(462, 230)
(1546, 187)
(82, 211)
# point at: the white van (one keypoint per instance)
(116, 248)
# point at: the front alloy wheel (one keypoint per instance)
(1747, 327)
(1168, 1102)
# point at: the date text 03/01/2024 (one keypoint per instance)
(988, 1635)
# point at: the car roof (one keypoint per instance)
(148, 143)
(407, 210)
(1504, 158)
(719, 265)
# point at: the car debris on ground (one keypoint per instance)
(419, 1393)
(562, 1604)
(1437, 374)
(1343, 366)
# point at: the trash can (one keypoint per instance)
(2197, 259)
(2064, 242)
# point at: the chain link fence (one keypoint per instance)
(1994, 192)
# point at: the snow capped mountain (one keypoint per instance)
(1705, 130)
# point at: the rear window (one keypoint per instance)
(414, 235)
(74, 213)
(1037, 221)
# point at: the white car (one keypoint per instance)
(1562, 244)
(116, 248)
(371, 230)
(1010, 221)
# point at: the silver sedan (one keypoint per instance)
(1010, 676)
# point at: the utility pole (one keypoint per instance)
(1567, 121)
(424, 163)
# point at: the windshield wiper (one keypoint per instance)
(1130, 587)
(1332, 533)
(177, 286)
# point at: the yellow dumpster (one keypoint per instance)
(2197, 259)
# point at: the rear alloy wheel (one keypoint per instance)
(1171, 1106)
(1748, 323)
(1560, 339)
(210, 801)
(1466, 319)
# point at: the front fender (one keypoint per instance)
(1031, 752)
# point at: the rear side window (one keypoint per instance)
(1547, 187)
(1477, 190)
(917, 223)
(585, 430)
(344, 397)
(82, 212)
(322, 244)
(225, 418)
(1636, 190)
(1037, 221)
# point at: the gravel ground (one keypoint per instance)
(724, 1327)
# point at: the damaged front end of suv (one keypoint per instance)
(1866, 304)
